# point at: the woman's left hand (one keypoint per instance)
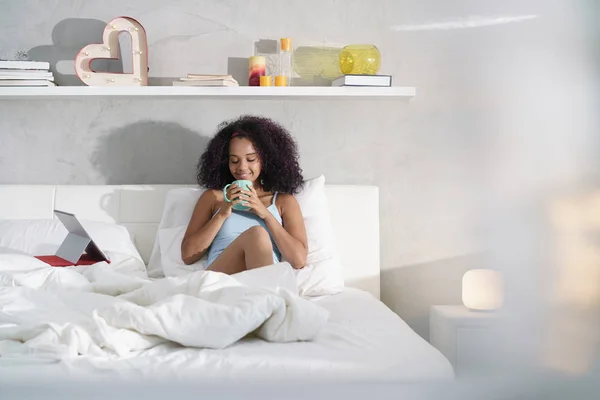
(253, 201)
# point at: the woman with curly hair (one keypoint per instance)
(272, 228)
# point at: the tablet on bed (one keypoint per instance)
(78, 248)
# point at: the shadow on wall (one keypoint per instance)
(149, 152)
(68, 37)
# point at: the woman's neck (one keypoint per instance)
(260, 191)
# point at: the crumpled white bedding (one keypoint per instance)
(110, 323)
(113, 310)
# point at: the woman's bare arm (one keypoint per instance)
(202, 229)
(291, 237)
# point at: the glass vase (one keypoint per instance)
(360, 59)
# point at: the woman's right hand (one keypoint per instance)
(233, 194)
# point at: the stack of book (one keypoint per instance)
(206, 80)
(363, 80)
(25, 73)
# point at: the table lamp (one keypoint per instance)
(482, 290)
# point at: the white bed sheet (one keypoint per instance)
(363, 340)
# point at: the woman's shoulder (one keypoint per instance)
(285, 197)
(209, 201)
(210, 198)
(213, 194)
(285, 201)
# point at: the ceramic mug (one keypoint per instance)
(242, 184)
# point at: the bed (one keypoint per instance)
(361, 340)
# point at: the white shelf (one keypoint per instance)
(242, 92)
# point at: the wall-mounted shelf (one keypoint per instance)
(222, 93)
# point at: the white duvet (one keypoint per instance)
(113, 310)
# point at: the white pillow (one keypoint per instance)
(170, 240)
(37, 237)
(320, 278)
(322, 274)
(177, 212)
(315, 211)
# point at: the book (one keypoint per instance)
(25, 77)
(26, 82)
(208, 77)
(363, 80)
(214, 82)
(25, 74)
(26, 65)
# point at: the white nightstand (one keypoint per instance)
(465, 337)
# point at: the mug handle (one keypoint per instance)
(225, 193)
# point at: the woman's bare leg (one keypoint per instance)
(252, 249)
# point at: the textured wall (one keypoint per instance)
(424, 154)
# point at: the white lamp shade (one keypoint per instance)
(482, 289)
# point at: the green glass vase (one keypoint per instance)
(360, 59)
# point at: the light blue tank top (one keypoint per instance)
(237, 223)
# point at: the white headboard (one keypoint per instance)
(139, 208)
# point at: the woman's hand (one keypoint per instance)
(252, 200)
(234, 194)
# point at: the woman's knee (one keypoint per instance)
(258, 235)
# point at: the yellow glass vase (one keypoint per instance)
(360, 59)
(314, 62)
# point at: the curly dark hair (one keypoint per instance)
(276, 148)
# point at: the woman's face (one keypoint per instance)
(244, 162)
